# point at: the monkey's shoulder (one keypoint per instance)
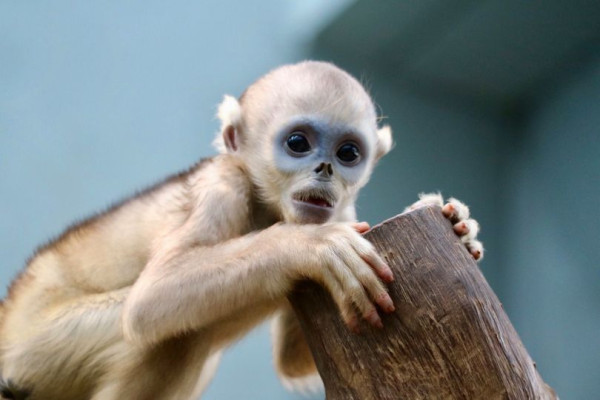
(119, 238)
(176, 193)
(221, 172)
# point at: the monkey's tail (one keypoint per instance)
(9, 391)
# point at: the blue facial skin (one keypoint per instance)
(325, 140)
(322, 161)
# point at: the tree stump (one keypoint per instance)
(449, 337)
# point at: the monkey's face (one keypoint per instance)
(320, 165)
(308, 135)
(313, 164)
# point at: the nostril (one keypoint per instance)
(324, 169)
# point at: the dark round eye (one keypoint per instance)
(348, 153)
(298, 143)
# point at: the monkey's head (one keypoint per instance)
(308, 136)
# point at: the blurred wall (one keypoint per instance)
(553, 287)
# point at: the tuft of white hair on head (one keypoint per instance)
(229, 113)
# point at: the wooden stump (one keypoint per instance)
(449, 337)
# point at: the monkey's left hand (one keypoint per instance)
(458, 213)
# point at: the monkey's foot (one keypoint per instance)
(458, 213)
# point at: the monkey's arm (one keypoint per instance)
(190, 287)
(208, 274)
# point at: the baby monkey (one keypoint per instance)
(139, 301)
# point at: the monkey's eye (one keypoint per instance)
(298, 143)
(348, 153)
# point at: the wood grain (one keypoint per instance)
(449, 337)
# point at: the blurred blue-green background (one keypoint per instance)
(495, 102)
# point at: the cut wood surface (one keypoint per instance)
(449, 337)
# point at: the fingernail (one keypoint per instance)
(461, 228)
(448, 210)
(389, 304)
(389, 276)
(353, 325)
(386, 272)
(374, 319)
(378, 324)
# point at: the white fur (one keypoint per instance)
(230, 114)
(385, 142)
(461, 217)
(427, 199)
(461, 208)
(305, 385)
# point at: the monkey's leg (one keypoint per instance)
(293, 359)
(180, 367)
(169, 370)
(67, 346)
(78, 349)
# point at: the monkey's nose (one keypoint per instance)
(324, 169)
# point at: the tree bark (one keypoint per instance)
(449, 337)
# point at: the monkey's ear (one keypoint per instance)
(384, 140)
(230, 114)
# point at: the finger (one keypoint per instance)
(448, 211)
(366, 251)
(352, 323)
(379, 266)
(467, 229)
(356, 293)
(369, 281)
(385, 302)
(361, 227)
(376, 291)
(337, 294)
(373, 317)
(475, 247)
(455, 210)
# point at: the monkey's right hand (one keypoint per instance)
(347, 265)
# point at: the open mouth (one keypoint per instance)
(315, 198)
(314, 205)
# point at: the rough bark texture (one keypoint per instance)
(449, 337)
